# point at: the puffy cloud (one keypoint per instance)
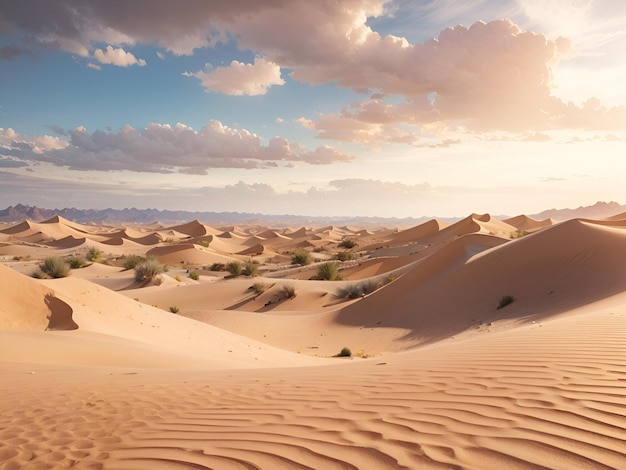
(118, 57)
(242, 79)
(162, 148)
(489, 75)
(94, 66)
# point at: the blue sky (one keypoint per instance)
(361, 107)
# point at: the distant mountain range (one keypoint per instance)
(21, 212)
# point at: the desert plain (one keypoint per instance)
(478, 344)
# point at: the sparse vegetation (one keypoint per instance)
(174, 309)
(132, 260)
(178, 278)
(329, 271)
(260, 287)
(234, 268)
(204, 243)
(194, 275)
(38, 274)
(148, 270)
(348, 243)
(301, 257)
(94, 254)
(217, 267)
(250, 268)
(356, 290)
(55, 267)
(344, 256)
(519, 234)
(77, 262)
(345, 352)
(505, 300)
(288, 291)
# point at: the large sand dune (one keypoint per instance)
(98, 373)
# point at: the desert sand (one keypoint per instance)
(98, 372)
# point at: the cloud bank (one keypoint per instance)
(161, 148)
(487, 76)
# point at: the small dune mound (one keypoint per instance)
(188, 254)
(528, 224)
(26, 305)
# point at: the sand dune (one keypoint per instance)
(528, 224)
(97, 374)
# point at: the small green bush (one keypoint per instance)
(347, 243)
(77, 262)
(38, 274)
(148, 270)
(132, 260)
(174, 309)
(505, 300)
(301, 257)
(329, 271)
(234, 268)
(194, 275)
(250, 268)
(288, 291)
(260, 287)
(356, 290)
(344, 256)
(345, 352)
(55, 267)
(217, 267)
(94, 254)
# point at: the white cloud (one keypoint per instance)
(118, 57)
(94, 66)
(162, 148)
(242, 79)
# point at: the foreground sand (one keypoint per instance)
(451, 381)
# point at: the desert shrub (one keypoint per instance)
(505, 300)
(356, 290)
(302, 257)
(38, 274)
(347, 243)
(77, 262)
(319, 249)
(204, 243)
(234, 268)
(519, 234)
(345, 352)
(329, 271)
(132, 260)
(288, 291)
(250, 268)
(344, 256)
(94, 254)
(148, 270)
(217, 267)
(194, 275)
(260, 287)
(55, 267)
(174, 309)
(178, 278)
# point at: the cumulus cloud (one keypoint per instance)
(118, 57)
(487, 76)
(242, 79)
(162, 148)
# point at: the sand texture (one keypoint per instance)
(98, 372)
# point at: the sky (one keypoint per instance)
(402, 108)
